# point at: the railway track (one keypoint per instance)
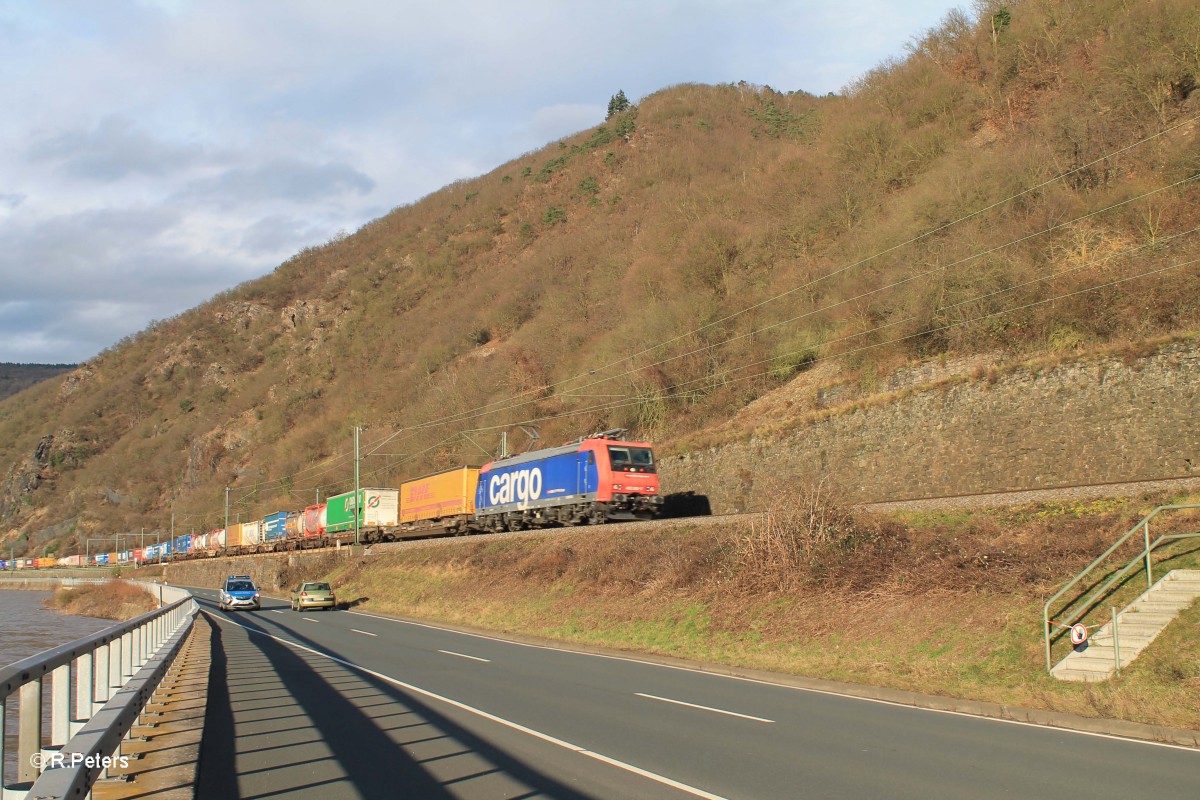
(979, 501)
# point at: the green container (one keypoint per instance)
(378, 508)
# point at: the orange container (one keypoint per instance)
(442, 494)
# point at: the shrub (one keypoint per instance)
(625, 127)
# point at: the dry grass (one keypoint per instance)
(947, 606)
(116, 599)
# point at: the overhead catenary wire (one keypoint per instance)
(333, 462)
(860, 296)
(926, 332)
(842, 354)
(868, 259)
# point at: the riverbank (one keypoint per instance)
(116, 600)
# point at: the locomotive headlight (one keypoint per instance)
(618, 486)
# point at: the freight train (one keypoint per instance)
(595, 479)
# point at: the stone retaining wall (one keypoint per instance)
(1089, 421)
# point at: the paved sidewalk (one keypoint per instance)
(166, 740)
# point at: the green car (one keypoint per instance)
(313, 595)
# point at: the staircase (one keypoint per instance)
(1137, 626)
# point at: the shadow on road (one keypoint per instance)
(285, 723)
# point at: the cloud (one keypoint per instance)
(10, 202)
(552, 122)
(275, 234)
(128, 255)
(66, 332)
(287, 179)
(112, 150)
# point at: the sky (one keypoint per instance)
(155, 153)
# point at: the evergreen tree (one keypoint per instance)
(618, 104)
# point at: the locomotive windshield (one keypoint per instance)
(631, 459)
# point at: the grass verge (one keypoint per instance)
(949, 606)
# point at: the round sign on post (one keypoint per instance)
(1079, 634)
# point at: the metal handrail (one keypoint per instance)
(88, 674)
(1086, 606)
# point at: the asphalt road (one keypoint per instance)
(343, 704)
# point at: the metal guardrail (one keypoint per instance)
(1068, 617)
(99, 685)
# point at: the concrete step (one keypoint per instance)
(1162, 605)
(1138, 625)
(1083, 676)
(1158, 618)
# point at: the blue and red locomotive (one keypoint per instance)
(594, 479)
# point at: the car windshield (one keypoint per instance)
(239, 586)
(316, 587)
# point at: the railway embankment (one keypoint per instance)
(944, 603)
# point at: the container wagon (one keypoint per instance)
(443, 500)
(377, 511)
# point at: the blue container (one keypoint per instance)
(274, 526)
(541, 479)
(101, 558)
(181, 545)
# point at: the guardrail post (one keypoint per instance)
(127, 670)
(1046, 632)
(60, 706)
(100, 687)
(3, 735)
(1116, 643)
(29, 730)
(85, 690)
(1149, 576)
(114, 669)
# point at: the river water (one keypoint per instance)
(28, 627)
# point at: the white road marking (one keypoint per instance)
(364, 633)
(705, 708)
(464, 655)
(792, 687)
(306, 619)
(277, 611)
(500, 720)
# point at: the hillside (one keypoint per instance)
(1021, 184)
(18, 377)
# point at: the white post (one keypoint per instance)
(84, 688)
(100, 689)
(29, 730)
(60, 706)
